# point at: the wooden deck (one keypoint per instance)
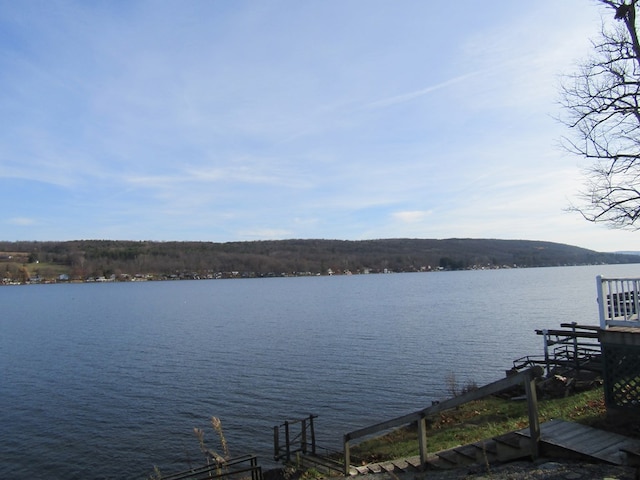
(586, 441)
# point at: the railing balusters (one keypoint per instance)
(294, 443)
(618, 301)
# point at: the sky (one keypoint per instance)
(262, 120)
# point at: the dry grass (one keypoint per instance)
(480, 420)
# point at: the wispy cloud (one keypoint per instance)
(246, 121)
(22, 221)
(411, 216)
(407, 97)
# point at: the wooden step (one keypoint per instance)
(468, 452)
(439, 463)
(449, 457)
(632, 455)
(403, 465)
(565, 437)
(375, 468)
(487, 451)
(414, 462)
(511, 446)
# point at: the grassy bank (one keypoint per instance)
(480, 420)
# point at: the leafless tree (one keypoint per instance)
(602, 105)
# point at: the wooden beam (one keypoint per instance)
(422, 440)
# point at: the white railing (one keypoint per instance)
(618, 301)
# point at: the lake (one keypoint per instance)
(108, 380)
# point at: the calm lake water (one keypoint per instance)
(108, 380)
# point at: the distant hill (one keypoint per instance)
(115, 259)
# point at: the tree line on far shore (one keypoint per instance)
(118, 259)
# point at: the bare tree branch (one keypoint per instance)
(602, 107)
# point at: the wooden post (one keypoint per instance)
(545, 336)
(313, 435)
(286, 438)
(534, 422)
(422, 440)
(276, 443)
(303, 435)
(254, 465)
(601, 302)
(575, 347)
(347, 456)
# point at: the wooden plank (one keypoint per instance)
(599, 444)
(388, 467)
(486, 446)
(558, 426)
(512, 439)
(564, 434)
(414, 462)
(469, 451)
(568, 333)
(362, 470)
(613, 453)
(401, 464)
(581, 327)
(449, 456)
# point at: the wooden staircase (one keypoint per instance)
(558, 439)
(500, 449)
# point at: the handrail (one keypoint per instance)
(573, 339)
(526, 377)
(618, 301)
(305, 424)
(221, 470)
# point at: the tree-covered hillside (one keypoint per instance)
(121, 260)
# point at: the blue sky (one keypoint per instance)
(253, 120)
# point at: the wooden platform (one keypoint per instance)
(586, 441)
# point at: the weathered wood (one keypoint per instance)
(402, 464)
(534, 423)
(454, 402)
(568, 334)
(484, 391)
(287, 440)
(301, 440)
(313, 434)
(581, 327)
(422, 439)
(526, 377)
(233, 468)
(588, 441)
(347, 457)
(276, 443)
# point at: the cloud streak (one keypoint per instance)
(410, 96)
